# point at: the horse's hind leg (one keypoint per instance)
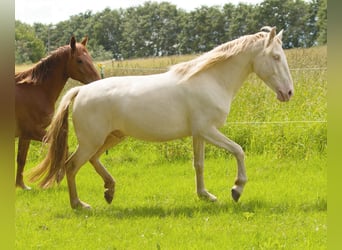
(23, 147)
(109, 182)
(72, 166)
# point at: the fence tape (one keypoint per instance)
(273, 122)
(323, 68)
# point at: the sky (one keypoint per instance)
(54, 11)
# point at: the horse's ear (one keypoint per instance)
(266, 29)
(271, 35)
(73, 43)
(85, 40)
(280, 35)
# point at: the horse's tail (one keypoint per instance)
(57, 138)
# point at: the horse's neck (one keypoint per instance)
(232, 73)
(55, 83)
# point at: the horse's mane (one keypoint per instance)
(220, 53)
(38, 73)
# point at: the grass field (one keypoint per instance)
(284, 205)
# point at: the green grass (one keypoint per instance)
(284, 205)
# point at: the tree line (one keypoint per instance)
(159, 29)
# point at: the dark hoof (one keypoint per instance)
(235, 195)
(108, 196)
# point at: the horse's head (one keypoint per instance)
(271, 66)
(80, 65)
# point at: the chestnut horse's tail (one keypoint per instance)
(57, 138)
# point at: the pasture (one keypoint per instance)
(284, 205)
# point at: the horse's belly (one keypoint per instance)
(156, 128)
(157, 135)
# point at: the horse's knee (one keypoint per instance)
(198, 166)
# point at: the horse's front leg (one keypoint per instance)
(23, 147)
(198, 148)
(216, 138)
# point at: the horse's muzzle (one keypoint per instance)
(284, 96)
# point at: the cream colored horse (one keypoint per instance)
(191, 99)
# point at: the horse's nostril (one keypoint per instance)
(290, 93)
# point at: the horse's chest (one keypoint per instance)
(219, 116)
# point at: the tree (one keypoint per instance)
(292, 16)
(322, 22)
(243, 21)
(310, 34)
(228, 15)
(203, 29)
(29, 48)
(135, 35)
(150, 30)
(165, 29)
(108, 30)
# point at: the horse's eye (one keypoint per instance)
(79, 61)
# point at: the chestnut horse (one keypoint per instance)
(36, 92)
